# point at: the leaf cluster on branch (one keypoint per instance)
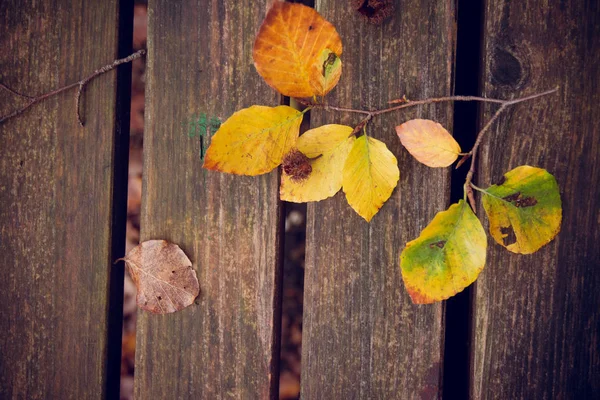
(297, 52)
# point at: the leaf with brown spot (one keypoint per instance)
(525, 210)
(163, 275)
(447, 256)
(297, 51)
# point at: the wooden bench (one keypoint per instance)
(527, 329)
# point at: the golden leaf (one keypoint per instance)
(254, 140)
(370, 176)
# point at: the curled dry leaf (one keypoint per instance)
(525, 211)
(429, 142)
(163, 275)
(297, 51)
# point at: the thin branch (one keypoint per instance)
(504, 104)
(3, 86)
(327, 107)
(473, 153)
(408, 103)
(436, 100)
(411, 103)
(81, 84)
(361, 125)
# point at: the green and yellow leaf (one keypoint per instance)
(525, 211)
(429, 142)
(370, 176)
(254, 140)
(447, 256)
(297, 51)
(327, 147)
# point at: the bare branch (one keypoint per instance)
(81, 84)
(408, 103)
(2, 86)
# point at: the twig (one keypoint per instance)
(361, 125)
(14, 92)
(80, 84)
(407, 103)
(327, 107)
(436, 100)
(372, 113)
(473, 153)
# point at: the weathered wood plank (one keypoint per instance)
(56, 189)
(537, 317)
(363, 338)
(226, 345)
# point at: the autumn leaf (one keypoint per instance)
(297, 51)
(447, 256)
(429, 142)
(163, 275)
(254, 140)
(327, 148)
(525, 211)
(370, 176)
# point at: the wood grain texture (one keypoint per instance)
(56, 195)
(227, 344)
(363, 338)
(537, 317)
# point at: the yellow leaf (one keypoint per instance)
(370, 176)
(447, 256)
(254, 140)
(429, 142)
(328, 146)
(297, 51)
(525, 211)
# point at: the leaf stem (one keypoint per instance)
(80, 84)
(478, 188)
(468, 187)
(504, 104)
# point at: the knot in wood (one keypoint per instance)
(374, 11)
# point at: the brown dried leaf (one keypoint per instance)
(163, 275)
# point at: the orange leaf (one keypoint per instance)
(297, 51)
(429, 142)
